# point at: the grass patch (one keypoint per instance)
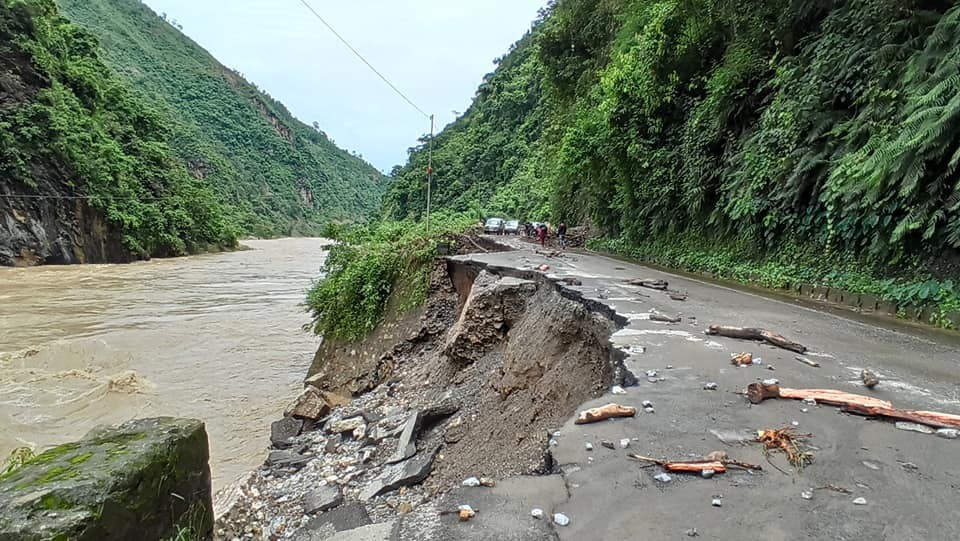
(367, 266)
(792, 265)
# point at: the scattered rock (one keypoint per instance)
(870, 380)
(411, 472)
(651, 373)
(716, 502)
(536, 513)
(343, 518)
(608, 444)
(487, 482)
(707, 474)
(404, 508)
(351, 425)
(588, 446)
(624, 443)
(692, 532)
(710, 386)
(309, 405)
(807, 494)
(647, 404)
(649, 410)
(322, 499)
(471, 482)
(287, 459)
(616, 389)
(407, 444)
(771, 381)
(283, 430)
(466, 513)
(810, 401)
(717, 456)
(860, 501)
(663, 477)
(914, 427)
(948, 433)
(871, 465)
(560, 519)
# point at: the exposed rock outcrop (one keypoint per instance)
(145, 479)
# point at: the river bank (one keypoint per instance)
(214, 336)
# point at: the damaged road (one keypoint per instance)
(521, 352)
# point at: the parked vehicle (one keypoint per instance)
(493, 226)
(512, 227)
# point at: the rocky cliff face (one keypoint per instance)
(55, 231)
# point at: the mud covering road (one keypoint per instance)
(909, 481)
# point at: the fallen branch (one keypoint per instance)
(666, 319)
(853, 403)
(762, 335)
(609, 411)
(691, 466)
(807, 361)
(652, 284)
(930, 418)
(758, 392)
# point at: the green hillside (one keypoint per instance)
(86, 174)
(278, 175)
(798, 127)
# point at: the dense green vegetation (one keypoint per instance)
(278, 175)
(369, 265)
(68, 126)
(812, 133)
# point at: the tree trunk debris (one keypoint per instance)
(666, 319)
(762, 335)
(807, 361)
(697, 466)
(601, 413)
(648, 283)
(854, 403)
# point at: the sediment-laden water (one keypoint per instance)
(216, 337)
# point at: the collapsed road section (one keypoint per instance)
(506, 408)
(468, 387)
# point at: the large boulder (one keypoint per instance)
(144, 479)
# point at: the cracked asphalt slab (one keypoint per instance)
(910, 481)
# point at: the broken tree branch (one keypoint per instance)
(758, 392)
(609, 411)
(853, 403)
(652, 284)
(718, 466)
(930, 418)
(762, 335)
(666, 319)
(807, 361)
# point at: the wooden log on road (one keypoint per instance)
(609, 411)
(854, 403)
(761, 335)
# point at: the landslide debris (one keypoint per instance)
(494, 362)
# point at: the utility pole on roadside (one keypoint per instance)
(429, 172)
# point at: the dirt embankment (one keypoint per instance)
(515, 352)
(472, 384)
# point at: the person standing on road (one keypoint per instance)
(542, 234)
(562, 235)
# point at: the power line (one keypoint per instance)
(364, 60)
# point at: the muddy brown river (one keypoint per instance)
(215, 337)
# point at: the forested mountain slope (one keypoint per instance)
(818, 127)
(86, 174)
(278, 175)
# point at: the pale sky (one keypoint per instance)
(435, 51)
